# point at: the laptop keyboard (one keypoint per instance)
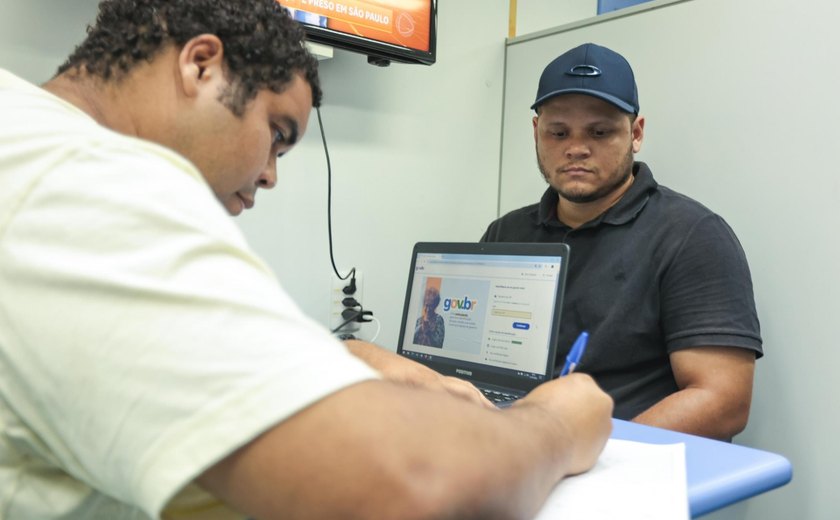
(499, 398)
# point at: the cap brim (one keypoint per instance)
(622, 105)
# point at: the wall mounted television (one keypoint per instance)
(403, 31)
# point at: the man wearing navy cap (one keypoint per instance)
(660, 282)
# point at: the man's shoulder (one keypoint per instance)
(65, 157)
(511, 225)
(679, 217)
(529, 213)
(44, 125)
(74, 144)
(662, 200)
(675, 207)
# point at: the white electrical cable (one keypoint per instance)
(378, 328)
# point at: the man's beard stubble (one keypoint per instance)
(626, 166)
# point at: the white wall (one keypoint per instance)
(538, 15)
(37, 35)
(742, 110)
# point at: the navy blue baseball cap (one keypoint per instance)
(592, 70)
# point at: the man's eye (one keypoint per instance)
(558, 134)
(599, 132)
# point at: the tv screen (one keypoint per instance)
(385, 30)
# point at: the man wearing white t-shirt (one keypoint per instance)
(150, 364)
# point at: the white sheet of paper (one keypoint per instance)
(630, 481)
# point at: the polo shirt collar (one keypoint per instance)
(625, 210)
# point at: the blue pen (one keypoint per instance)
(573, 359)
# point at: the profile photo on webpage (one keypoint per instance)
(429, 329)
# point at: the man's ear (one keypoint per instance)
(536, 121)
(200, 62)
(637, 131)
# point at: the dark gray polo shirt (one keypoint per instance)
(656, 273)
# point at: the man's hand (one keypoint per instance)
(584, 411)
(405, 371)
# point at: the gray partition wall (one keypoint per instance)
(742, 107)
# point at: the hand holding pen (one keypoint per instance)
(577, 350)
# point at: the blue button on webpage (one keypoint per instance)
(520, 325)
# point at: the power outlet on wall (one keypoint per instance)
(340, 311)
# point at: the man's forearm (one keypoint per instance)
(697, 411)
(376, 357)
(382, 450)
(391, 365)
(716, 390)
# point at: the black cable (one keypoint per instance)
(355, 316)
(351, 287)
(352, 273)
(358, 315)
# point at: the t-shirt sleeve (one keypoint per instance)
(707, 293)
(147, 340)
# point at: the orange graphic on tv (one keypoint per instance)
(399, 22)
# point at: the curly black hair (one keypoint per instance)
(263, 44)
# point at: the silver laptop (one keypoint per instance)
(488, 313)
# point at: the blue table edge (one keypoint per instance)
(718, 473)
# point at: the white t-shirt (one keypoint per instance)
(140, 338)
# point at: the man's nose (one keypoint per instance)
(268, 177)
(577, 147)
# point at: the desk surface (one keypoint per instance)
(719, 473)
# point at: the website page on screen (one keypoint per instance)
(492, 310)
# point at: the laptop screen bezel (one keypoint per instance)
(479, 373)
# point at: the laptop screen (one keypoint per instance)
(486, 309)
